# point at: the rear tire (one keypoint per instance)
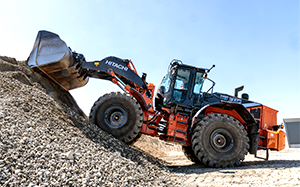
(118, 114)
(219, 140)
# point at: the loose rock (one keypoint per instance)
(45, 140)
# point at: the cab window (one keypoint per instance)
(181, 85)
(182, 79)
(198, 83)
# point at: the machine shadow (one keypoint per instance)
(201, 168)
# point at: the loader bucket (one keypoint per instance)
(51, 55)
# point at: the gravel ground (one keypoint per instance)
(282, 169)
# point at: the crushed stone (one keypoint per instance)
(46, 140)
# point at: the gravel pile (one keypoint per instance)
(45, 139)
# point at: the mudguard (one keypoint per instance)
(239, 108)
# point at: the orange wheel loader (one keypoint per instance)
(213, 128)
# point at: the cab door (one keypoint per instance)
(182, 85)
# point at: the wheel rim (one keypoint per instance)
(221, 140)
(115, 117)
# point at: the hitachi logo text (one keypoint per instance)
(119, 66)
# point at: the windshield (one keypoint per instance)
(165, 84)
(182, 79)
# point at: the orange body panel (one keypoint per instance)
(177, 128)
(148, 100)
(213, 110)
(275, 140)
(176, 131)
(146, 130)
(267, 118)
(281, 140)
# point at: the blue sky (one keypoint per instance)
(252, 43)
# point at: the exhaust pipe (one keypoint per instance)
(237, 90)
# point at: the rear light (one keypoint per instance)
(281, 126)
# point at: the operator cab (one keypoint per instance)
(181, 87)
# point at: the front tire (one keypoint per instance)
(219, 140)
(118, 114)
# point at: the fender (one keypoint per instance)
(238, 111)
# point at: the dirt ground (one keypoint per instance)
(282, 168)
